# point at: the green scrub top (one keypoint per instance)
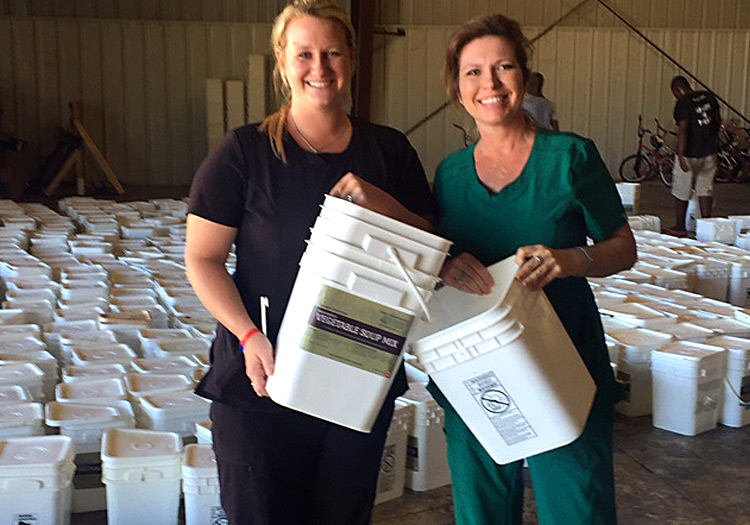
(563, 195)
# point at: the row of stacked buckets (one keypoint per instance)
(681, 353)
(366, 281)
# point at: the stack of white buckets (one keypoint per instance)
(363, 279)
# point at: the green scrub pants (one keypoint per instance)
(573, 485)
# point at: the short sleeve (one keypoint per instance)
(681, 109)
(217, 192)
(596, 193)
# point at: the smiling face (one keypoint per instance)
(490, 82)
(317, 63)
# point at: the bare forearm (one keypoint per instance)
(610, 256)
(218, 293)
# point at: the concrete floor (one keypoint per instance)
(662, 478)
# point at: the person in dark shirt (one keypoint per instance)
(698, 120)
(261, 190)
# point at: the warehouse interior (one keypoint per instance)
(111, 106)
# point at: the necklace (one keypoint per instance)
(307, 142)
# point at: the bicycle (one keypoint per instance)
(733, 158)
(653, 158)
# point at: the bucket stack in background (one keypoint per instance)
(363, 279)
(678, 325)
(100, 333)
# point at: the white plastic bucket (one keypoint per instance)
(200, 486)
(735, 406)
(35, 480)
(739, 283)
(174, 411)
(343, 333)
(203, 432)
(688, 386)
(392, 475)
(426, 459)
(24, 374)
(84, 423)
(141, 470)
(518, 382)
(634, 367)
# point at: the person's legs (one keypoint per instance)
(343, 490)
(705, 172)
(575, 483)
(484, 493)
(266, 463)
(682, 187)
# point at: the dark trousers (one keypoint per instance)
(287, 468)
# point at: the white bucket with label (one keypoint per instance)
(634, 367)
(688, 386)
(35, 480)
(141, 470)
(391, 477)
(735, 407)
(426, 457)
(346, 323)
(507, 365)
(200, 486)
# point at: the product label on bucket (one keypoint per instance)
(387, 476)
(25, 519)
(708, 395)
(356, 331)
(218, 516)
(499, 408)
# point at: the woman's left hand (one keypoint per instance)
(354, 189)
(540, 265)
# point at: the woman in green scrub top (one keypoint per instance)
(537, 194)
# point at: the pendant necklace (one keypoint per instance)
(307, 142)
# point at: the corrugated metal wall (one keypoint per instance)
(723, 14)
(600, 80)
(193, 10)
(142, 85)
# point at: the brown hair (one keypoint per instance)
(275, 123)
(490, 25)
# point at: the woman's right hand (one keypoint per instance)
(467, 274)
(258, 354)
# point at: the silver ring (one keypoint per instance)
(350, 198)
(461, 279)
(537, 259)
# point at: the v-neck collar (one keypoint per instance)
(516, 186)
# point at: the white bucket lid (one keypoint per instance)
(20, 374)
(20, 414)
(20, 343)
(105, 353)
(199, 461)
(175, 364)
(111, 387)
(89, 372)
(723, 325)
(350, 209)
(641, 339)
(149, 384)
(14, 394)
(687, 352)
(36, 456)
(135, 447)
(30, 330)
(79, 415)
(175, 404)
(687, 331)
(738, 348)
(183, 345)
(154, 334)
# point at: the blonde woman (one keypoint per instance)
(260, 190)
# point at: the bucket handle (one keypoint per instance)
(732, 390)
(413, 287)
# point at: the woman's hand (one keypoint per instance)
(258, 354)
(540, 265)
(354, 189)
(467, 274)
